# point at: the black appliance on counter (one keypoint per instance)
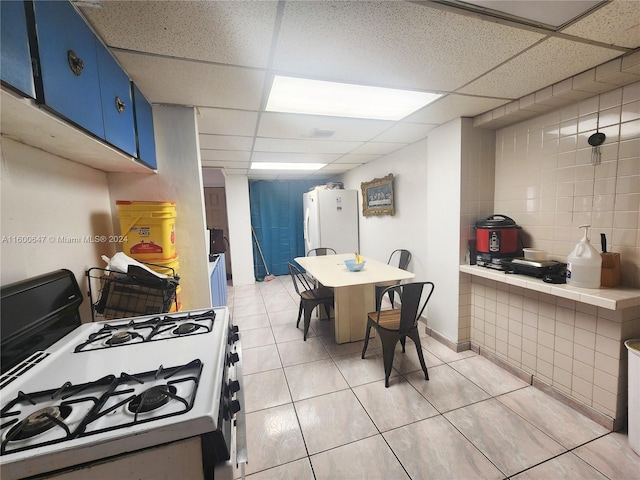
(217, 243)
(551, 271)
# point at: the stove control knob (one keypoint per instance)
(233, 387)
(233, 358)
(234, 407)
(233, 335)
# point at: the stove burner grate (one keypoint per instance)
(186, 328)
(151, 399)
(120, 337)
(39, 422)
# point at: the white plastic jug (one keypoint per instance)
(584, 264)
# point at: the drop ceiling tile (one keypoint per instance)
(237, 33)
(340, 167)
(225, 142)
(278, 175)
(294, 157)
(303, 146)
(405, 132)
(378, 148)
(223, 164)
(357, 159)
(289, 125)
(400, 44)
(184, 82)
(454, 106)
(236, 171)
(553, 60)
(226, 122)
(616, 23)
(226, 155)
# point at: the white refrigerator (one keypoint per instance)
(331, 220)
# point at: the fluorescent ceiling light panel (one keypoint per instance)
(286, 166)
(555, 12)
(317, 97)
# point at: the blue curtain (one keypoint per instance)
(276, 217)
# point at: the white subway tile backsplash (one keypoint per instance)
(605, 380)
(584, 355)
(588, 122)
(544, 179)
(610, 117)
(608, 347)
(582, 389)
(631, 111)
(628, 184)
(585, 338)
(562, 379)
(604, 401)
(631, 93)
(629, 130)
(611, 99)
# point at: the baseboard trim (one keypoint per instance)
(600, 418)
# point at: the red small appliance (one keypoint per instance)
(497, 238)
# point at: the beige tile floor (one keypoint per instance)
(316, 410)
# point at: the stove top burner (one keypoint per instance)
(153, 398)
(36, 419)
(186, 328)
(39, 422)
(134, 331)
(120, 337)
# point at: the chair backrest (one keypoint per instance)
(403, 258)
(300, 281)
(321, 251)
(413, 302)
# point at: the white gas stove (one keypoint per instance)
(115, 387)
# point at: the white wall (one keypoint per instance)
(180, 181)
(61, 201)
(239, 218)
(380, 235)
(442, 191)
(427, 220)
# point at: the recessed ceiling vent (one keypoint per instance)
(320, 133)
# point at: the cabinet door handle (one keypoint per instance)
(75, 63)
(120, 105)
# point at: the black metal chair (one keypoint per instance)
(310, 297)
(401, 259)
(321, 251)
(398, 324)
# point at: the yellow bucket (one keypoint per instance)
(167, 267)
(148, 229)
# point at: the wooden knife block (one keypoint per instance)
(611, 272)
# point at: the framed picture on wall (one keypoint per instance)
(377, 196)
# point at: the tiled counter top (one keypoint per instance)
(609, 298)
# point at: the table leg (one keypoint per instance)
(351, 305)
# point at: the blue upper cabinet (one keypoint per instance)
(144, 129)
(68, 65)
(117, 107)
(15, 58)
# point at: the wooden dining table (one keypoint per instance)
(354, 292)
